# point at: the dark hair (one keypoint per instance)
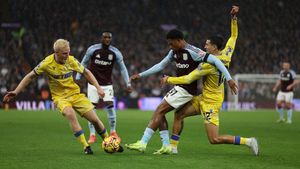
(175, 34)
(217, 40)
(106, 31)
(286, 61)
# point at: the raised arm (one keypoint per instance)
(230, 45)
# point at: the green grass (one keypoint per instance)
(43, 139)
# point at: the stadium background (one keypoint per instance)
(267, 35)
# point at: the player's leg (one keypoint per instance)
(279, 106)
(70, 115)
(65, 107)
(154, 123)
(164, 132)
(94, 98)
(211, 119)
(165, 139)
(289, 106)
(176, 98)
(86, 109)
(187, 110)
(97, 123)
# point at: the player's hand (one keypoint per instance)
(9, 96)
(289, 87)
(135, 77)
(233, 86)
(100, 92)
(234, 10)
(164, 80)
(129, 89)
(274, 89)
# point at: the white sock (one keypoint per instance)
(147, 135)
(92, 128)
(281, 113)
(289, 114)
(112, 118)
(164, 135)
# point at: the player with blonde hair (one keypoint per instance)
(59, 67)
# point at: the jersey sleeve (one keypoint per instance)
(123, 68)
(158, 67)
(202, 70)
(230, 45)
(75, 65)
(85, 60)
(209, 58)
(40, 68)
(293, 73)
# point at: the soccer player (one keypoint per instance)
(187, 58)
(101, 59)
(287, 82)
(209, 103)
(66, 95)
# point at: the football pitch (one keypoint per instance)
(43, 140)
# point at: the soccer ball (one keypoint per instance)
(111, 144)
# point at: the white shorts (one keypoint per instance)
(177, 97)
(285, 96)
(94, 97)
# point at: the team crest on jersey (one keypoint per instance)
(175, 56)
(110, 57)
(185, 56)
(98, 56)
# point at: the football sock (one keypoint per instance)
(111, 113)
(174, 140)
(103, 133)
(147, 135)
(241, 140)
(92, 128)
(289, 114)
(164, 135)
(281, 113)
(81, 138)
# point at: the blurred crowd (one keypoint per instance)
(268, 34)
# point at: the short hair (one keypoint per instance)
(217, 40)
(175, 34)
(106, 31)
(60, 44)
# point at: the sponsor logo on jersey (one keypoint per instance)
(182, 66)
(102, 62)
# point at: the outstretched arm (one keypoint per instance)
(191, 77)
(154, 69)
(25, 81)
